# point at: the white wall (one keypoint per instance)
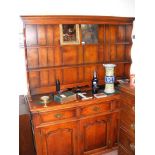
(83, 7)
(67, 7)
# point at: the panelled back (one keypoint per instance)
(48, 60)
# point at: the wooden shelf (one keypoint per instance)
(58, 45)
(41, 46)
(74, 65)
(122, 43)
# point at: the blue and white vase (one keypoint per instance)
(109, 78)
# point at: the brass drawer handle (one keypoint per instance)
(58, 115)
(132, 146)
(133, 108)
(96, 109)
(133, 126)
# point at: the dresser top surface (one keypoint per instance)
(35, 107)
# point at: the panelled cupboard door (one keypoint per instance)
(59, 139)
(95, 134)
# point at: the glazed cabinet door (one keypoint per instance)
(59, 139)
(95, 134)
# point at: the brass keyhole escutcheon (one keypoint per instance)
(58, 115)
(96, 109)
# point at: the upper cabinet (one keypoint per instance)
(71, 53)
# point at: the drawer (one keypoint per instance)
(129, 127)
(100, 107)
(56, 115)
(127, 115)
(127, 142)
(128, 99)
(122, 151)
(127, 118)
(128, 108)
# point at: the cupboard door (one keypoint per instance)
(59, 139)
(95, 134)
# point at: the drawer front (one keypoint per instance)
(127, 117)
(56, 115)
(127, 108)
(129, 128)
(96, 108)
(128, 99)
(99, 108)
(122, 151)
(127, 142)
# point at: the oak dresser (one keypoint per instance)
(79, 127)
